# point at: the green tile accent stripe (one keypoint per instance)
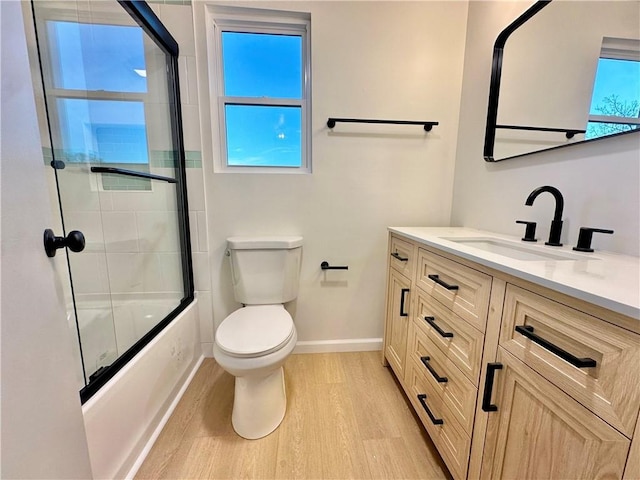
(118, 182)
(157, 158)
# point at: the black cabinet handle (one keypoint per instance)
(436, 279)
(397, 256)
(438, 378)
(402, 298)
(422, 398)
(488, 387)
(527, 331)
(432, 321)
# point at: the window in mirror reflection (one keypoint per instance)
(615, 103)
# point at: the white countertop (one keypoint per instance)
(607, 279)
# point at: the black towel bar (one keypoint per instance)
(569, 132)
(132, 173)
(426, 125)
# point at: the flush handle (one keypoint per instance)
(74, 242)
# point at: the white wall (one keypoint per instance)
(600, 181)
(42, 434)
(395, 60)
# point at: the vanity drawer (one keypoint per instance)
(444, 378)
(595, 362)
(462, 289)
(447, 434)
(402, 256)
(461, 342)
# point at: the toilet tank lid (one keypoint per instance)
(249, 243)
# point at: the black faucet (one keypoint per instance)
(556, 223)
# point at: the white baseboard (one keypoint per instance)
(348, 345)
(154, 436)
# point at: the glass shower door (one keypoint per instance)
(110, 90)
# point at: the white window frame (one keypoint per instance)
(618, 49)
(249, 20)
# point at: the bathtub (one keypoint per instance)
(123, 419)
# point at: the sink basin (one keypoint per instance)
(511, 249)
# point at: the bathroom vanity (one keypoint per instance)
(521, 360)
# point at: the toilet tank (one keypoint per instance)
(265, 270)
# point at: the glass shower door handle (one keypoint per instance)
(74, 242)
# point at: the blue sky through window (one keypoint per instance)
(96, 58)
(103, 130)
(616, 92)
(264, 136)
(616, 77)
(263, 66)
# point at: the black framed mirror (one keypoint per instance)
(564, 73)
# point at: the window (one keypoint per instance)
(262, 90)
(99, 81)
(615, 103)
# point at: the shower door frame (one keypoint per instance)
(152, 26)
(144, 16)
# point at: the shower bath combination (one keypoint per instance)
(108, 105)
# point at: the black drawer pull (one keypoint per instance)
(402, 299)
(527, 331)
(422, 398)
(436, 279)
(488, 387)
(438, 378)
(432, 321)
(397, 256)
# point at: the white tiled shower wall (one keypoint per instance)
(177, 18)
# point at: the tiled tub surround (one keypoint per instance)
(529, 354)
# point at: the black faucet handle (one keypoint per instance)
(585, 236)
(529, 232)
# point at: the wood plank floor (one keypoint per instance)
(347, 418)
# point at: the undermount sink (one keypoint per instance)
(511, 249)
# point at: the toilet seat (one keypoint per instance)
(255, 331)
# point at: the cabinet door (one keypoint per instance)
(397, 321)
(538, 431)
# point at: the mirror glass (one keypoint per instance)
(564, 73)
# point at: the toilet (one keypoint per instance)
(253, 342)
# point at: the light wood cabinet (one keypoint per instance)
(447, 434)
(562, 343)
(540, 432)
(453, 336)
(397, 320)
(566, 394)
(463, 290)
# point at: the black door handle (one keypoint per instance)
(527, 331)
(74, 242)
(488, 387)
(402, 299)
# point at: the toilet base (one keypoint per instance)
(259, 404)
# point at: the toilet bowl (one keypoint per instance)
(252, 344)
